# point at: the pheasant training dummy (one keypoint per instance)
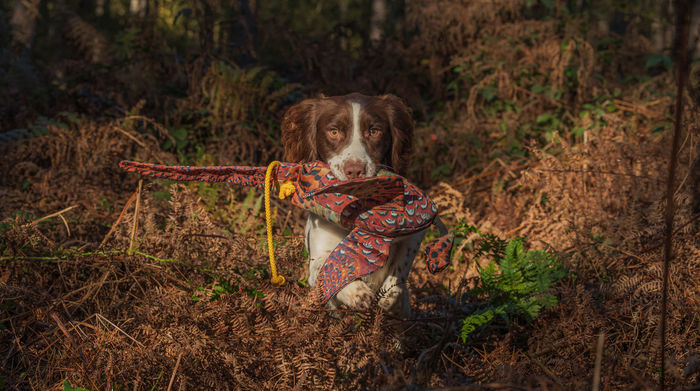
(376, 210)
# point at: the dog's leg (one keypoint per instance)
(322, 237)
(356, 295)
(394, 296)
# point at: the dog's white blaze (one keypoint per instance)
(355, 150)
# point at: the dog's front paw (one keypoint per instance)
(356, 295)
(395, 301)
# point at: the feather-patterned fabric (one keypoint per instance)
(376, 210)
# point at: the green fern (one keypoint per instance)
(68, 387)
(513, 283)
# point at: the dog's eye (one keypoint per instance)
(374, 132)
(333, 132)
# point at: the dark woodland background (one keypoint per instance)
(544, 119)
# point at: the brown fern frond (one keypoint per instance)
(90, 41)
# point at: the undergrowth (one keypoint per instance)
(514, 283)
(68, 387)
(532, 123)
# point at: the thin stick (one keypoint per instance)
(598, 362)
(484, 175)
(211, 236)
(172, 377)
(600, 172)
(141, 144)
(691, 149)
(93, 253)
(156, 125)
(629, 254)
(65, 223)
(53, 214)
(286, 220)
(136, 216)
(103, 319)
(93, 289)
(682, 12)
(488, 386)
(546, 370)
(65, 332)
(127, 134)
(654, 247)
(119, 219)
(162, 130)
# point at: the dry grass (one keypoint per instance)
(192, 307)
(110, 317)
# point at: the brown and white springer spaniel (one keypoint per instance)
(356, 135)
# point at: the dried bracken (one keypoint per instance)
(197, 291)
(192, 307)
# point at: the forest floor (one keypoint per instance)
(191, 306)
(530, 130)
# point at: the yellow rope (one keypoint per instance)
(286, 190)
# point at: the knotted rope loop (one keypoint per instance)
(286, 190)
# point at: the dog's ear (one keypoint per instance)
(401, 125)
(299, 132)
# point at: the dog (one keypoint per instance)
(356, 135)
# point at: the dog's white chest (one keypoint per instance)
(389, 281)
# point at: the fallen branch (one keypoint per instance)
(598, 361)
(37, 221)
(172, 377)
(119, 219)
(102, 319)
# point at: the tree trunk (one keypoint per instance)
(137, 7)
(694, 42)
(662, 27)
(343, 7)
(102, 8)
(377, 22)
(245, 34)
(23, 21)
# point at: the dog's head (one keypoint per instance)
(355, 134)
